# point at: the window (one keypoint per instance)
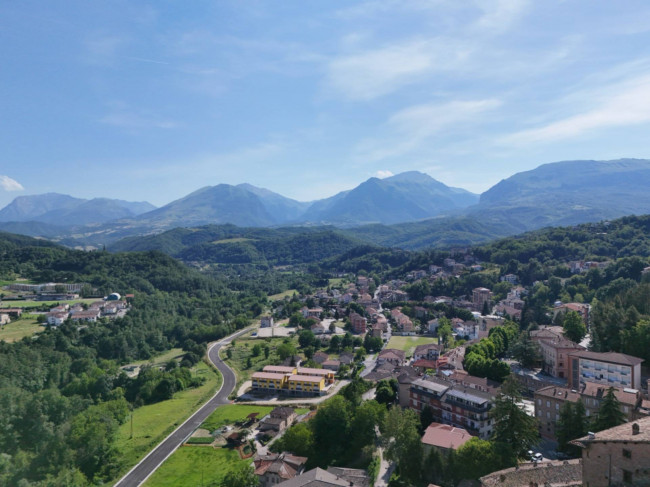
(627, 477)
(557, 405)
(627, 453)
(548, 404)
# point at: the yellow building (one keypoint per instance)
(280, 369)
(328, 375)
(269, 381)
(306, 384)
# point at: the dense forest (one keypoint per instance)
(62, 394)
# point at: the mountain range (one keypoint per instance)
(409, 210)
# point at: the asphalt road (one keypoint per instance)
(158, 455)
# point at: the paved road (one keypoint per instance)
(158, 455)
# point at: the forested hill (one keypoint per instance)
(62, 396)
(623, 237)
(228, 244)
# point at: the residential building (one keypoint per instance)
(268, 381)
(511, 278)
(333, 365)
(358, 322)
(305, 385)
(480, 296)
(580, 308)
(443, 437)
(4, 319)
(280, 369)
(470, 409)
(423, 392)
(327, 375)
(609, 368)
(617, 456)
(266, 321)
(319, 478)
(555, 350)
(278, 420)
(57, 318)
(391, 355)
(630, 400)
(12, 312)
(320, 357)
(429, 351)
(548, 402)
(275, 468)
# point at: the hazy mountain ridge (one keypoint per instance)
(64, 210)
(409, 210)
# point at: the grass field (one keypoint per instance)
(37, 304)
(243, 349)
(152, 423)
(17, 330)
(335, 281)
(175, 353)
(192, 466)
(279, 296)
(408, 344)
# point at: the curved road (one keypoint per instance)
(148, 465)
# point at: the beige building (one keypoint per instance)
(618, 456)
(480, 296)
(555, 350)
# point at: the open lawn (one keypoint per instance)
(335, 281)
(174, 353)
(279, 296)
(243, 349)
(24, 303)
(408, 344)
(231, 413)
(190, 466)
(153, 422)
(17, 330)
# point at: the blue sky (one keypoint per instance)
(150, 101)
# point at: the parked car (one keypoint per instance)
(538, 457)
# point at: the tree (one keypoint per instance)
(299, 439)
(526, 351)
(477, 458)
(386, 391)
(286, 350)
(609, 414)
(574, 327)
(331, 427)
(486, 309)
(513, 427)
(571, 425)
(402, 438)
(241, 476)
(426, 417)
(257, 350)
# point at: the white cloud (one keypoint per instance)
(9, 184)
(627, 103)
(414, 126)
(374, 73)
(122, 116)
(383, 174)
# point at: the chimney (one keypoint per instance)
(592, 435)
(635, 429)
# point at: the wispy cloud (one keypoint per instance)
(9, 184)
(383, 174)
(104, 49)
(413, 127)
(124, 117)
(624, 104)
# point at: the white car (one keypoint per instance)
(538, 457)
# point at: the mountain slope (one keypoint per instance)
(567, 193)
(405, 197)
(64, 210)
(211, 205)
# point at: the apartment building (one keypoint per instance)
(609, 368)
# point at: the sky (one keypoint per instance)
(153, 100)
